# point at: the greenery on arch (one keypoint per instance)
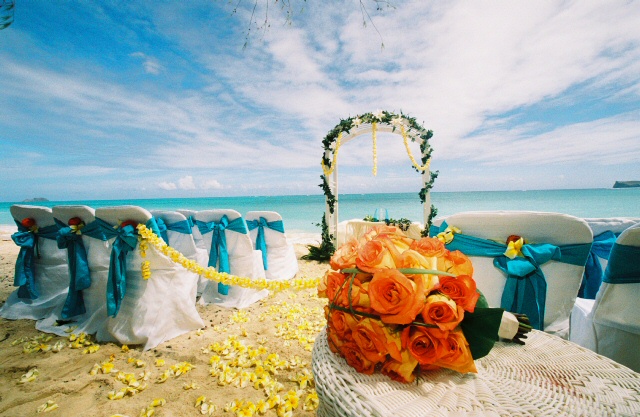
(409, 128)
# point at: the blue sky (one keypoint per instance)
(159, 99)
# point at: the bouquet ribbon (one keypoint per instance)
(79, 275)
(24, 276)
(219, 243)
(525, 291)
(261, 244)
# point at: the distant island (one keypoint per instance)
(34, 200)
(626, 184)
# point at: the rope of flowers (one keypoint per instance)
(332, 166)
(147, 237)
(405, 139)
(374, 134)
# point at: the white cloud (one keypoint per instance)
(186, 183)
(211, 185)
(167, 185)
(150, 64)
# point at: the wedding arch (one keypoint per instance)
(352, 127)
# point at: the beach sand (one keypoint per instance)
(64, 377)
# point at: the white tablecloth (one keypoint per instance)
(548, 376)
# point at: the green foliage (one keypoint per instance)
(326, 249)
(330, 198)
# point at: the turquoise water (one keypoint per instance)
(302, 213)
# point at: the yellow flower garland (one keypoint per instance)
(374, 127)
(329, 171)
(296, 284)
(406, 146)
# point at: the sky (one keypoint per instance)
(162, 99)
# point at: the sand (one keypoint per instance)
(64, 377)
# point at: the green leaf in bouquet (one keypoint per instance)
(480, 328)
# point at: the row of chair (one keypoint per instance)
(545, 280)
(96, 284)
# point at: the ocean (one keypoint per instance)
(302, 213)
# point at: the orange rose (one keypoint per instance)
(359, 293)
(442, 311)
(28, 222)
(341, 323)
(395, 297)
(392, 234)
(402, 370)
(457, 354)
(374, 256)
(356, 359)
(456, 263)
(462, 290)
(330, 284)
(345, 256)
(132, 223)
(413, 259)
(335, 342)
(424, 343)
(375, 340)
(428, 247)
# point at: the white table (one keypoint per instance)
(548, 376)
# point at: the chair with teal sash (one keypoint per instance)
(71, 221)
(605, 231)
(226, 235)
(134, 310)
(543, 280)
(266, 230)
(612, 324)
(41, 273)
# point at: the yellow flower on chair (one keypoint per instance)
(447, 236)
(514, 247)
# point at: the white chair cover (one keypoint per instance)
(610, 324)
(51, 272)
(64, 214)
(282, 263)
(153, 310)
(244, 261)
(563, 280)
(202, 253)
(614, 224)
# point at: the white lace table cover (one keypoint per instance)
(548, 376)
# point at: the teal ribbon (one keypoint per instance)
(261, 243)
(79, 275)
(182, 226)
(623, 266)
(218, 251)
(525, 290)
(25, 272)
(601, 248)
(125, 241)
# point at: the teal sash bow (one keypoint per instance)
(126, 240)
(525, 290)
(218, 251)
(25, 273)
(261, 244)
(79, 275)
(182, 226)
(601, 248)
(623, 266)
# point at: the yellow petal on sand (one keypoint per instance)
(50, 405)
(158, 402)
(159, 362)
(200, 400)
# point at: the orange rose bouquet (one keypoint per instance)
(402, 306)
